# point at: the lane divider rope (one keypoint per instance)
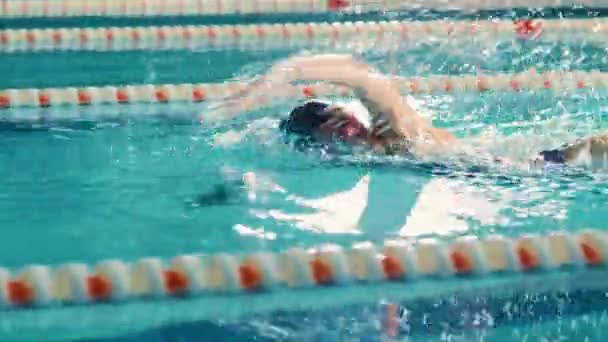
(139, 8)
(397, 261)
(149, 8)
(267, 36)
(196, 93)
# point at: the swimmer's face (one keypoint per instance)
(342, 126)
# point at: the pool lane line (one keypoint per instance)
(273, 36)
(156, 8)
(400, 263)
(159, 94)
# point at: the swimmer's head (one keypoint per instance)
(307, 119)
(321, 122)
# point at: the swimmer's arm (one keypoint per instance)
(379, 93)
(383, 96)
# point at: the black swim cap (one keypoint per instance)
(306, 119)
(554, 156)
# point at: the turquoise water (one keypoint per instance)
(128, 188)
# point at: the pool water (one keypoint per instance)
(136, 186)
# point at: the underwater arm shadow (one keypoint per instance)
(221, 194)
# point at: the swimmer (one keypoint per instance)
(382, 120)
(386, 123)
